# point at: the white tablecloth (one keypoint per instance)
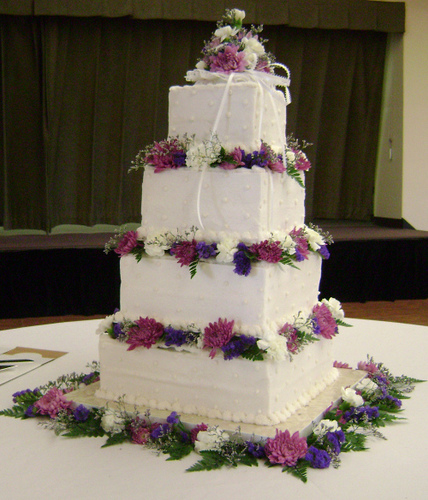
(36, 464)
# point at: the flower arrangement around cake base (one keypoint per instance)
(375, 401)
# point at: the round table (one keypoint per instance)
(37, 464)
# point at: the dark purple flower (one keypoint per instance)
(146, 333)
(206, 251)
(81, 413)
(184, 252)
(117, 330)
(336, 439)
(159, 430)
(237, 346)
(360, 413)
(31, 411)
(323, 251)
(174, 337)
(127, 243)
(242, 261)
(218, 334)
(256, 449)
(267, 251)
(173, 418)
(319, 459)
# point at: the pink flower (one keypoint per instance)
(139, 431)
(185, 252)
(367, 367)
(289, 332)
(218, 334)
(325, 321)
(263, 65)
(147, 332)
(284, 449)
(339, 364)
(267, 251)
(52, 402)
(235, 160)
(127, 243)
(164, 155)
(195, 431)
(302, 247)
(302, 162)
(228, 61)
(278, 166)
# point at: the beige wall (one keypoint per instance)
(402, 181)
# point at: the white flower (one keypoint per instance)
(315, 240)
(325, 426)
(286, 242)
(105, 324)
(154, 249)
(112, 422)
(251, 59)
(275, 346)
(350, 396)
(237, 14)
(253, 46)
(201, 65)
(367, 385)
(201, 156)
(211, 439)
(291, 157)
(227, 249)
(335, 308)
(225, 32)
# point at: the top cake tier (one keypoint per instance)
(241, 114)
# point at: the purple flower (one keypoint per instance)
(267, 251)
(242, 261)
(336, 439)
(164, 155)
(206, 251)
(218, 334)
(184, 252)
(228, 61)
(159, 431)
(146, 333)
(174, 337)
(319, 459)
(173, 418)
(323, 251)
(360, 413)
(256, 449)
(290, 333)
(127, 243)
(81, 413)
(31, 411)
(117, 330)
(237, 346)
(17, 395)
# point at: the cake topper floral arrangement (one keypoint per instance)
(375, 402)
(234, 49)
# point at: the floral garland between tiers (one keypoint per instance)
(220, 335)
(375, 402)
(177, 152)
(280, 248)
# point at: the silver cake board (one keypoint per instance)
(302, 421)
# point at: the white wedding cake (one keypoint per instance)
(219, 313)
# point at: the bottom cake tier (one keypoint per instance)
(257, 392)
